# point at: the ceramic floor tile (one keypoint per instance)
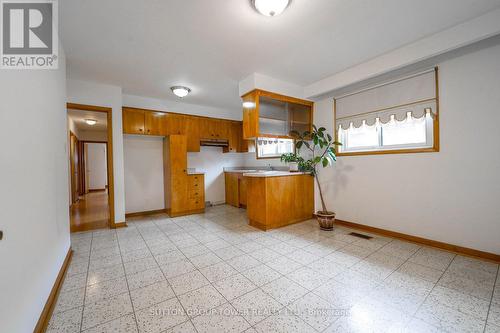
(447, 319)
(205, 260)
(169, 257)
(217, 244)
(234, 286)
(136, 255)
(398, 298)
(283, 248)
(140, 265)
(125, 324)
(492, 329)
(261, 275)
(415, 285)
(328, 267)
(150, 295)
(200, 301)
(256, 305)
(307, 278)
(315, 311)
(284, 290)
(283, 323)
(419, 271)
(73, 282)
(224, 319)
(227, 253)
(249, 247)
(284, 265)
(462, 302)
(244, 262)
(69, 300)
(106, 289)
(105, 262)
(218, 271)
(195, 250)
(359, 281)
(340, 296)
(432, 258)
(478, 288)
(144, 278)
(161, 317)
(177, 268)
(188, 282)
(106, 310)
(186, 327)
(494, 315)
(67, 321)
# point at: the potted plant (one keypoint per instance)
(293, 161)
(322, 149)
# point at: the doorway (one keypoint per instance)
(91, 167)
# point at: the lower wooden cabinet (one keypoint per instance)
(236, 189)
(196, 190)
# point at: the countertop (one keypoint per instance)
(193, 171)
(274, 173)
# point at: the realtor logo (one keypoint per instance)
(29, 34)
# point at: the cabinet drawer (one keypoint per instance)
(196, 203)
(195, 181)
(196, 194)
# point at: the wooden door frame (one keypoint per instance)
(111, 188)
(73, 167)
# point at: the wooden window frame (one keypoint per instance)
(434, 149)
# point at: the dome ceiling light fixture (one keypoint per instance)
(271, 7)
(91, 122)
(180, 91)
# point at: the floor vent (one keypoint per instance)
(355, 234)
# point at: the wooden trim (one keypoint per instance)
(111, 184)
(180, 114)
(280, 97)
(43, 321)
(424, 241)
(146, 213)
(436, 144)
(119, 225)
(97, 190)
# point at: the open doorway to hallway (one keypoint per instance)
(89, 177)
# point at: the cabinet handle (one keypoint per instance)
(140, 129)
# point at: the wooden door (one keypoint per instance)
(133, 121)
(73, 157)
(156, 123)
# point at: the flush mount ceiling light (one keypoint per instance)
(91, 122)
(271, 7)
(180, 91)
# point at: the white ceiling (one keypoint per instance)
(79, 116)
(147, 46)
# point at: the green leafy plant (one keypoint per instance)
(323, 153)
(291, 157)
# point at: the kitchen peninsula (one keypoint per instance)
(278, 198)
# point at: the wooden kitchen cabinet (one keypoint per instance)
(242, 190)
(133, 121)
(236, 189)
(155, 123)
(177, 124)
(184, 194)
(267, 114)
(192, 127)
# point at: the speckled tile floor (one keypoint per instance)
(214, 273)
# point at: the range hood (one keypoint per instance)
(214, 143)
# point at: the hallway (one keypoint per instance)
(90, 212)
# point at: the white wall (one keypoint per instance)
(143, 161)
(450, 196)
(97, 94)
(212, 161)
(34, 191)
(96, 165)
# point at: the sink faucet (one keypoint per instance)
(270, 167)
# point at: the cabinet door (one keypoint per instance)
(176, 124)
(179, 179)
(251, 116)
(133, 121)
(155, 123)
(242, 191)
(233, 138)
(223, 129)
(231, 180)
(208, 128)
(193, 133)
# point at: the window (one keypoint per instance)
(400, 116)
(274, 147)
(410, 133)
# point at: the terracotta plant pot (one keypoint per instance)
(325, 220)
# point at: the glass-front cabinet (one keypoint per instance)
(267, 114)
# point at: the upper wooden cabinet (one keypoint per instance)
(133, 121)
(195, 128)
(155, 123)
(274, 115)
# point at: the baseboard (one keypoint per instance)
(424, 241)
(146, 213)
(119, 225)
(43, 321)
(185, 213)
